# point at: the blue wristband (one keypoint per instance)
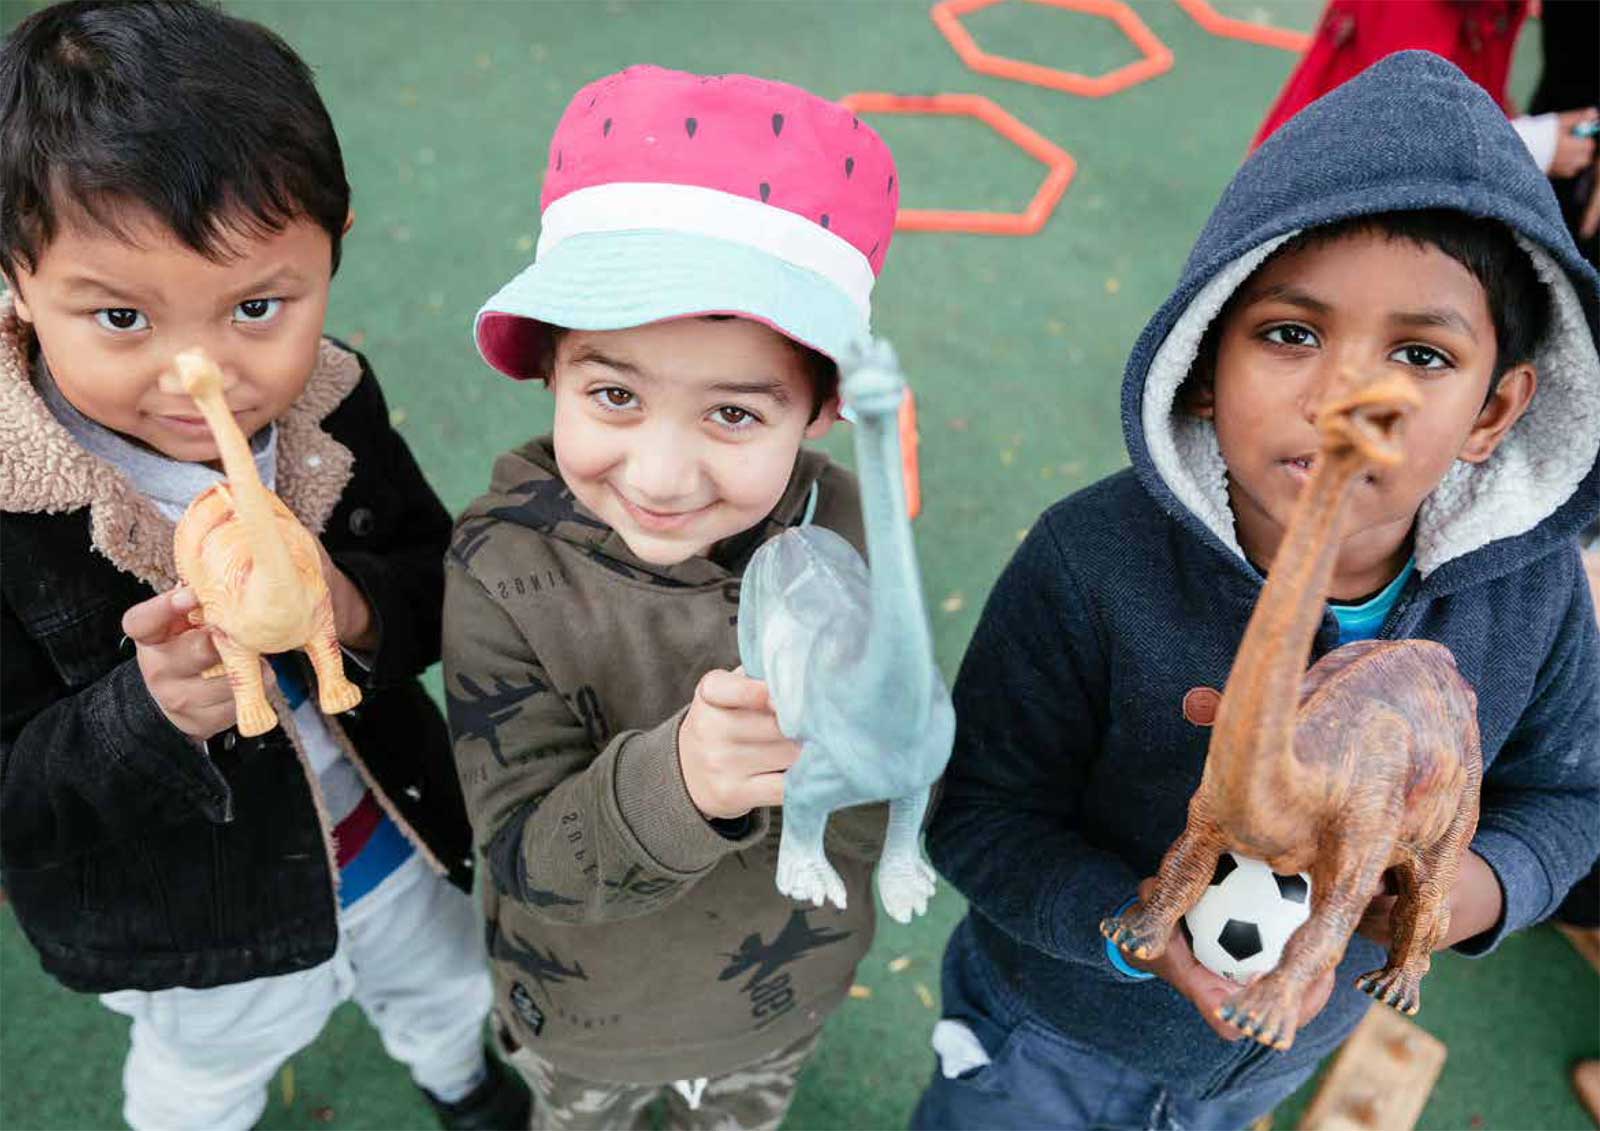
(1114, 953)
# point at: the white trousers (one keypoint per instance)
(411, 955)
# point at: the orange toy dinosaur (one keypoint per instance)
(256, 571)
(1367, 762)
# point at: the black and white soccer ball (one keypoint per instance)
(1246, 916)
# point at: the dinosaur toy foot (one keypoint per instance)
(905, 884)
(1267, 1009)
(335, 697)
(255, 718)
(1393, 987)
(809, 878)
(1133, 932)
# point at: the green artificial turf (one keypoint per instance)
(1015, 347)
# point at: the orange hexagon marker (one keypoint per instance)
(1056, 160)
(1229, 28)
(1157, 58)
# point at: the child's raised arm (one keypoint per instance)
(577, 831)
(82, 768)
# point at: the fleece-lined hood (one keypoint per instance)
(1411, 132)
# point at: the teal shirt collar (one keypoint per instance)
(1363, 621)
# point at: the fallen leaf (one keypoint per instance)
(1055, 327)
(323, 1114)
(898, 964)
(1113, 285)
(1008, 456)
(483, 61)
(1021, 534)
(397, 417)
(358, 339)
(953, 603)
(959, 423)
(286, 1080)
(860, 992)
(924, 993)
(524, 243)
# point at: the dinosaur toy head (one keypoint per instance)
(872, 383)
(194, 374)
(1367, 422)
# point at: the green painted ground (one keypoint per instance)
(1015, 347)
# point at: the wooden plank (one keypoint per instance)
(1381, 1079)
(1585, 940)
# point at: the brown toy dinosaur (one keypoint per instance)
(1367, 762)
(256, 571)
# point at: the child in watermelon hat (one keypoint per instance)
(707, 252)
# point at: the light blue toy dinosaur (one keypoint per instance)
(848, 661)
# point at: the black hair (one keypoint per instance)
(210, 122)
(821, 370)
(1519, 304)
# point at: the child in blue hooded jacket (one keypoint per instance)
(1396, 223)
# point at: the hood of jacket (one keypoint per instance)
(1411, 132)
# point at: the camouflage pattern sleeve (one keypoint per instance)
(575, 833)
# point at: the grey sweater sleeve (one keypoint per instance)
(578, 834)
(1006, 831)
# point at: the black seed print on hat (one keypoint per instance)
(855, 123)
(558, 160)
(874, 250)
(691, 125)
(849, 167)
(824, 219)
(766, 191)
(593, 98)
(891, 185)
(777, 124)
(605, 130)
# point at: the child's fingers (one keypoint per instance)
(1316, 996)
(747, 728)
(765, 790)
(771, 757)
(160, 618)
(732, 692)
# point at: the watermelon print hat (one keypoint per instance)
(671, 195)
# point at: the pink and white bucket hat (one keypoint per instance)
(671, 195)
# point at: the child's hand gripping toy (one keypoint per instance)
(1368, 762)
(255, 570)
(848, 660)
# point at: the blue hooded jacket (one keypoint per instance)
(1073, 762)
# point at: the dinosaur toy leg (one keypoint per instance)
(803, 869)
(1186, 869)
(1269, 1008)
(255, 714)
(905, 880)
(335, 693)
(1421, 913)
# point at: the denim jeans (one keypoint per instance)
(1038, 1078)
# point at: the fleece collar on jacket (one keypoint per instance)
(528, 490)
(43, 470)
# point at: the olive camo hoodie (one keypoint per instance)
(631, 939)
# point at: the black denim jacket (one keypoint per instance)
(132, 858)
